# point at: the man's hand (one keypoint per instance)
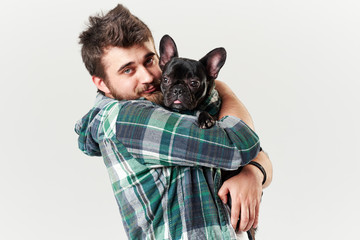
(245, 190)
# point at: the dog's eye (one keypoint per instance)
(194, 84)
(165, 80)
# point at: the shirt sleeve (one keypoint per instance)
(158, 137)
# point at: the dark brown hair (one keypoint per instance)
(118, 28)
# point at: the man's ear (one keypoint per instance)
(213, 62)
(100, 84)
(168, 50)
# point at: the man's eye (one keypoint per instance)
(127, 71)
(149, 61)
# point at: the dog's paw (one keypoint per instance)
(206, 120)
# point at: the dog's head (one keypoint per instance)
(185, 82)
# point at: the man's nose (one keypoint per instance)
(145, 76)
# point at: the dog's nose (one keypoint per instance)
(177, 91)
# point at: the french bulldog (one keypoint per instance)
(186, 83)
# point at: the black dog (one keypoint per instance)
(186, 83)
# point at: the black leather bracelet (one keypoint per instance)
(258, 165)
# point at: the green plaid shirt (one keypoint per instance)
(164, 169)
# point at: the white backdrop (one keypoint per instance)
(294, 64)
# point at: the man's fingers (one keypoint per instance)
(244, 218)
(222, 193)
(235, 212)
(251, 217)
(257, 212)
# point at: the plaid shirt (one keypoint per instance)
(164, 169)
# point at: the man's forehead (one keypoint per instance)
(134, 51)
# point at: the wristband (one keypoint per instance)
(258, 165)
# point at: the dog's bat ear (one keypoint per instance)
(168, 50)
(213, 61)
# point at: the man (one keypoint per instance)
(164, 169)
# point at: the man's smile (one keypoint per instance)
(150, 90)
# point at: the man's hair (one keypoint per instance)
(118, 28)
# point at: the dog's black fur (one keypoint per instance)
(186, 83)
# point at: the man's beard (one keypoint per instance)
(156, 97)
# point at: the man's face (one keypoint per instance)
(133, 72)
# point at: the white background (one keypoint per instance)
(294, 64)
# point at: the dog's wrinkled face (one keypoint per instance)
(185, 82)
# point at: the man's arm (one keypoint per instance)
(232, 106)
(246, 187)
(158, 137)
